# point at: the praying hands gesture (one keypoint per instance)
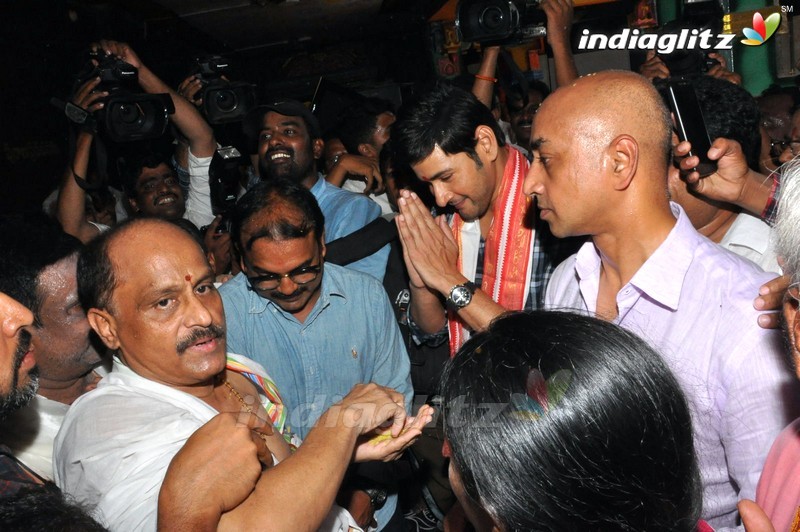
(431, 256)
(429, 249)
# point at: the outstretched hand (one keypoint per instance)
(381, 444)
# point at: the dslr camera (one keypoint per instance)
(128, 114)
(223, 101)
(500, 21)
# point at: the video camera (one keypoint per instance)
(223, 101)
(128, 114)
(500, 21)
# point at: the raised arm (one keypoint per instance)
(559, 25)
(71, 207)
(186, 118)
(485, 79)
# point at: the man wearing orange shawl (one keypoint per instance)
(492, 256)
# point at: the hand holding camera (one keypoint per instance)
(119, 50)
(109, 89)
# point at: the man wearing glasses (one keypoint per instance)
(320, 328)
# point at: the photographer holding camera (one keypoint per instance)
(151, 185)
(149, 181)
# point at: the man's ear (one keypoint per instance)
(322, 243)
(317, 147)
(623, 157)
(486, 143)
(367, 150)
(105, 326)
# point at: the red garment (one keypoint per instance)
(506, 264)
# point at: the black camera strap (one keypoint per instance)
(82, 120)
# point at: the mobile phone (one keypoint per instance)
(690, 124)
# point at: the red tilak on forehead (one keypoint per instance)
(188, 278)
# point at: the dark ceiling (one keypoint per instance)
(243, 25)
(253, 25)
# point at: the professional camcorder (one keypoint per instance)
(500, 21)
(223, 100)
(128, 114)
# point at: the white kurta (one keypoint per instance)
(117, 441)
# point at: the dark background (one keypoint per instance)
(282, 47)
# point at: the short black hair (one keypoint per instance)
(96, 278)
(516, 90)
(41, 508)
(446, 116)
(130, 168)
(30, 243)
(359, 121)
(559, 421)
(729, 111)
(271, 197)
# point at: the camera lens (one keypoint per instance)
(492, 18)
(226, 101)
(128, 114)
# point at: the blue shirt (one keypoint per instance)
(346, 212)
(350, 337)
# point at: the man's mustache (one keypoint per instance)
(202, 334)
(280, 296)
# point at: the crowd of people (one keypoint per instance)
(496, 307)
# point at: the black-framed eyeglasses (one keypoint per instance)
(777, 146)
(271, 281)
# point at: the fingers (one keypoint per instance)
(252, 422)
(369, 406)
(411, 206)
(770, 298)
(654, 67)
(88, 98)
(388, 447)
(754, 518)
(189, 89)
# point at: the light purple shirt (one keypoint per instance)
(693, 302)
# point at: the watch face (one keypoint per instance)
(461, 296)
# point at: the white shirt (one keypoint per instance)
(117, 441)
(693, 302)
(354, 185)
(751, 238)
(198, 202)
(29, 432)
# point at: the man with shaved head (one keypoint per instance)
(602, 156)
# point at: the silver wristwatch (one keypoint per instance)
(461, 295)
